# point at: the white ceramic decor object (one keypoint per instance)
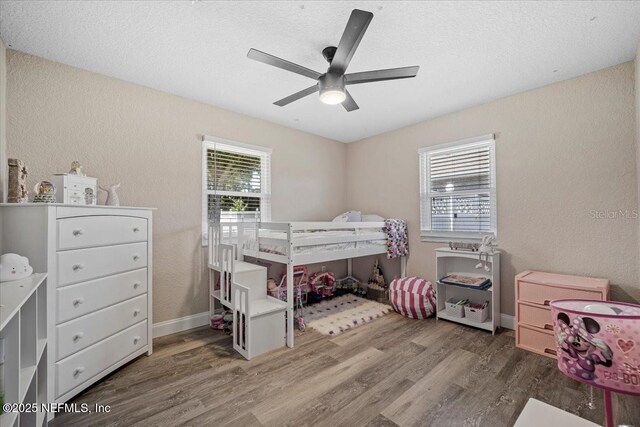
(14, 267)
(112, 196)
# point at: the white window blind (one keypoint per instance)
(458, 190)
(236, 182)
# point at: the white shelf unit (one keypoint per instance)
(449, 261)
(23, 326)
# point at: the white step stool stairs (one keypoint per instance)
(259, 321)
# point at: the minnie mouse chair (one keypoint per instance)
(598, 343)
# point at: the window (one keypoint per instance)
(236, 182)
(458, 190)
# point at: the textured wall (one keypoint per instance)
(637, 93)
(562, 151)
(151, 142)
(3, 121)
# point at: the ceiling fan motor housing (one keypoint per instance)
(330, 82)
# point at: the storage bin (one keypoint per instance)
(477, 314)
(454, 309)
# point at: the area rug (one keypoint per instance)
(342, 314)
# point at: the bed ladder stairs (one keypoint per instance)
(259, 321)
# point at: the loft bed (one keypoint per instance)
(298, 243)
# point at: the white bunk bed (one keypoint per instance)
(296, 243)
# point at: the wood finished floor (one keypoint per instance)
(393, 371)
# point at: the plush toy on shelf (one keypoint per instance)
(14, 267)
(487, 247)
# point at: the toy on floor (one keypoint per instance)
(222, 322)
(376, 286)
(347, 285)
(323, 284)
(377, 277)
(272, 288)
(299, 313)
(300, 276)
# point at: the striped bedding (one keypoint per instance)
(413, 297)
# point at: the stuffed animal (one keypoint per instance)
(486, 248)
(76, 169)
(272, 287)
(14, 267)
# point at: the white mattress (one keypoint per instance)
(276, 242)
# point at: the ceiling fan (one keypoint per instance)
(332, 84)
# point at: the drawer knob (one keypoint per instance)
(136, 285)
(136, 229)
(77, 267)
(78, 232)
(136, 312)
(136, 340)
(136, 257)
(78, 371)
(78, 301)
(77, 337)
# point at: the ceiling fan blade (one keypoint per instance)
(349, 104)
(381, 75)
(289, 99)
(357, 25)
(281, 63)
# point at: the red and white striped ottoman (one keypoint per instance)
(413, 297)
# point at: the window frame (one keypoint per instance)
(424, 154)
(215, 143)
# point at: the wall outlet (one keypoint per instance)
(324, 269)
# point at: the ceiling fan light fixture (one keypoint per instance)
(332, 97)
(332, 88)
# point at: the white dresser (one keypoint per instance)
(99, 263)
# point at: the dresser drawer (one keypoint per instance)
(87, 231)
(80, 333)
(83, 298)
(82, 366)
(535, 315)
(544, 294)
(85, 264)
(539, 341)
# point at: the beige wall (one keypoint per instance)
(562, 151)
(3, 121)
(637, 94)
(151, 142)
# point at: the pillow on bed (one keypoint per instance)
(350, 216)
(372, 218)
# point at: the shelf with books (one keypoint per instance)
(466, 281)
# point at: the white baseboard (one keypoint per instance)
(507, 321)
(182, 324)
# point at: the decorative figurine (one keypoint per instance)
(76, 168)
(45, 192)
(89, 196)
(112, 196)
(17, 182)
(14, 267)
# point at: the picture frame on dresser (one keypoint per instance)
(99, 288)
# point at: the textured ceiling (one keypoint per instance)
(468, 52)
